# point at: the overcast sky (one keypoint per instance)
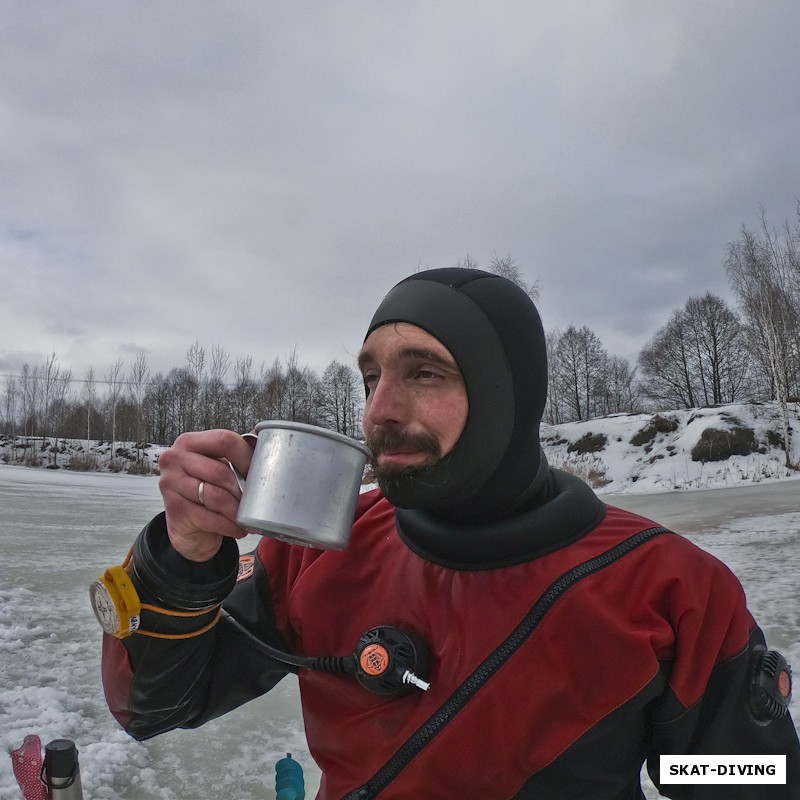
(257, 175)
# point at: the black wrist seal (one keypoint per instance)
(164, 577)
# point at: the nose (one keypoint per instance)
(387, 404)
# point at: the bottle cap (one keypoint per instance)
(60, 758)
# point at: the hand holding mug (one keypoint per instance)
(200, 490)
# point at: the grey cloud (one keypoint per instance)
(259, 176)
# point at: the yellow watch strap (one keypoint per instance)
(129, 607)
(125, 598)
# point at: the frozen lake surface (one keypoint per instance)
(60, 530)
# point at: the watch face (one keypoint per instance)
(104, 609)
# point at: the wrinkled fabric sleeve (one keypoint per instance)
(154, 685)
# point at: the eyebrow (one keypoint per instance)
(413, 354)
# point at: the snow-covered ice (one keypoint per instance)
(60, 530)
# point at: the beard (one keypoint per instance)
(382, 441)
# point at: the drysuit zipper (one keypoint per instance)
(436, 723)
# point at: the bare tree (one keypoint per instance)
(90, 397)
(157, 405)
(666, 366)
(60, 406)
(468, 262)
(301, 398)
(619, 388)
(697, 358)
(579, 364)
(10, 411)
(114, 383)
(289, 392)
(196, 364)
(30, 386)
(270, 401)
(720, 361)
(763, 270)
(50, 376)
(555, 410)
(216, 401)
(243, 394)
(340, 403)
(137, 387)
(183, 401)
(505, 267)
(508, 268)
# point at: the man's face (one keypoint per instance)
(417, 405)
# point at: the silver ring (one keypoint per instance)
(200, 493)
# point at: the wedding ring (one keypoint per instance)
(200, 492)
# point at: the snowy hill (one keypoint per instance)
(697, 448)
(78, 455)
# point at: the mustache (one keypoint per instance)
(383, 440)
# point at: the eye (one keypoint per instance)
(428, 374)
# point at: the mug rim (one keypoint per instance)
(303, 427)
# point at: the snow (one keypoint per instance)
(60, 529)
(664, 464)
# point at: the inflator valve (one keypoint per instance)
(391, 661)
(770, 686)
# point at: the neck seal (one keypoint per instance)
(565, 510)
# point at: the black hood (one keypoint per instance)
(493, 331)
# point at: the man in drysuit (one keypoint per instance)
(570, 641)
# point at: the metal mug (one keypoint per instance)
(303, 484)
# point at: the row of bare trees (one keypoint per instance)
(39, 394)
(209, 391)
(584, 381)
(707, 353)
(698, 357)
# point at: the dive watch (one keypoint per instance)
(116, 603)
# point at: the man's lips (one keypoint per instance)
(402, 456)
(399, 449)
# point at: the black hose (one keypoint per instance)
(333, 664)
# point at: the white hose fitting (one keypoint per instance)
(410, 677)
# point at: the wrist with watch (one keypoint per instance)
(120, 611)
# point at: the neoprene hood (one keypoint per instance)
(494, 332)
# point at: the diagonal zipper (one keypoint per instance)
(437, 722)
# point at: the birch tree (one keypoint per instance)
(114, 383)
(762, 267)
(30, 385)
(90, 398)
(49, 377)
(10, 409)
